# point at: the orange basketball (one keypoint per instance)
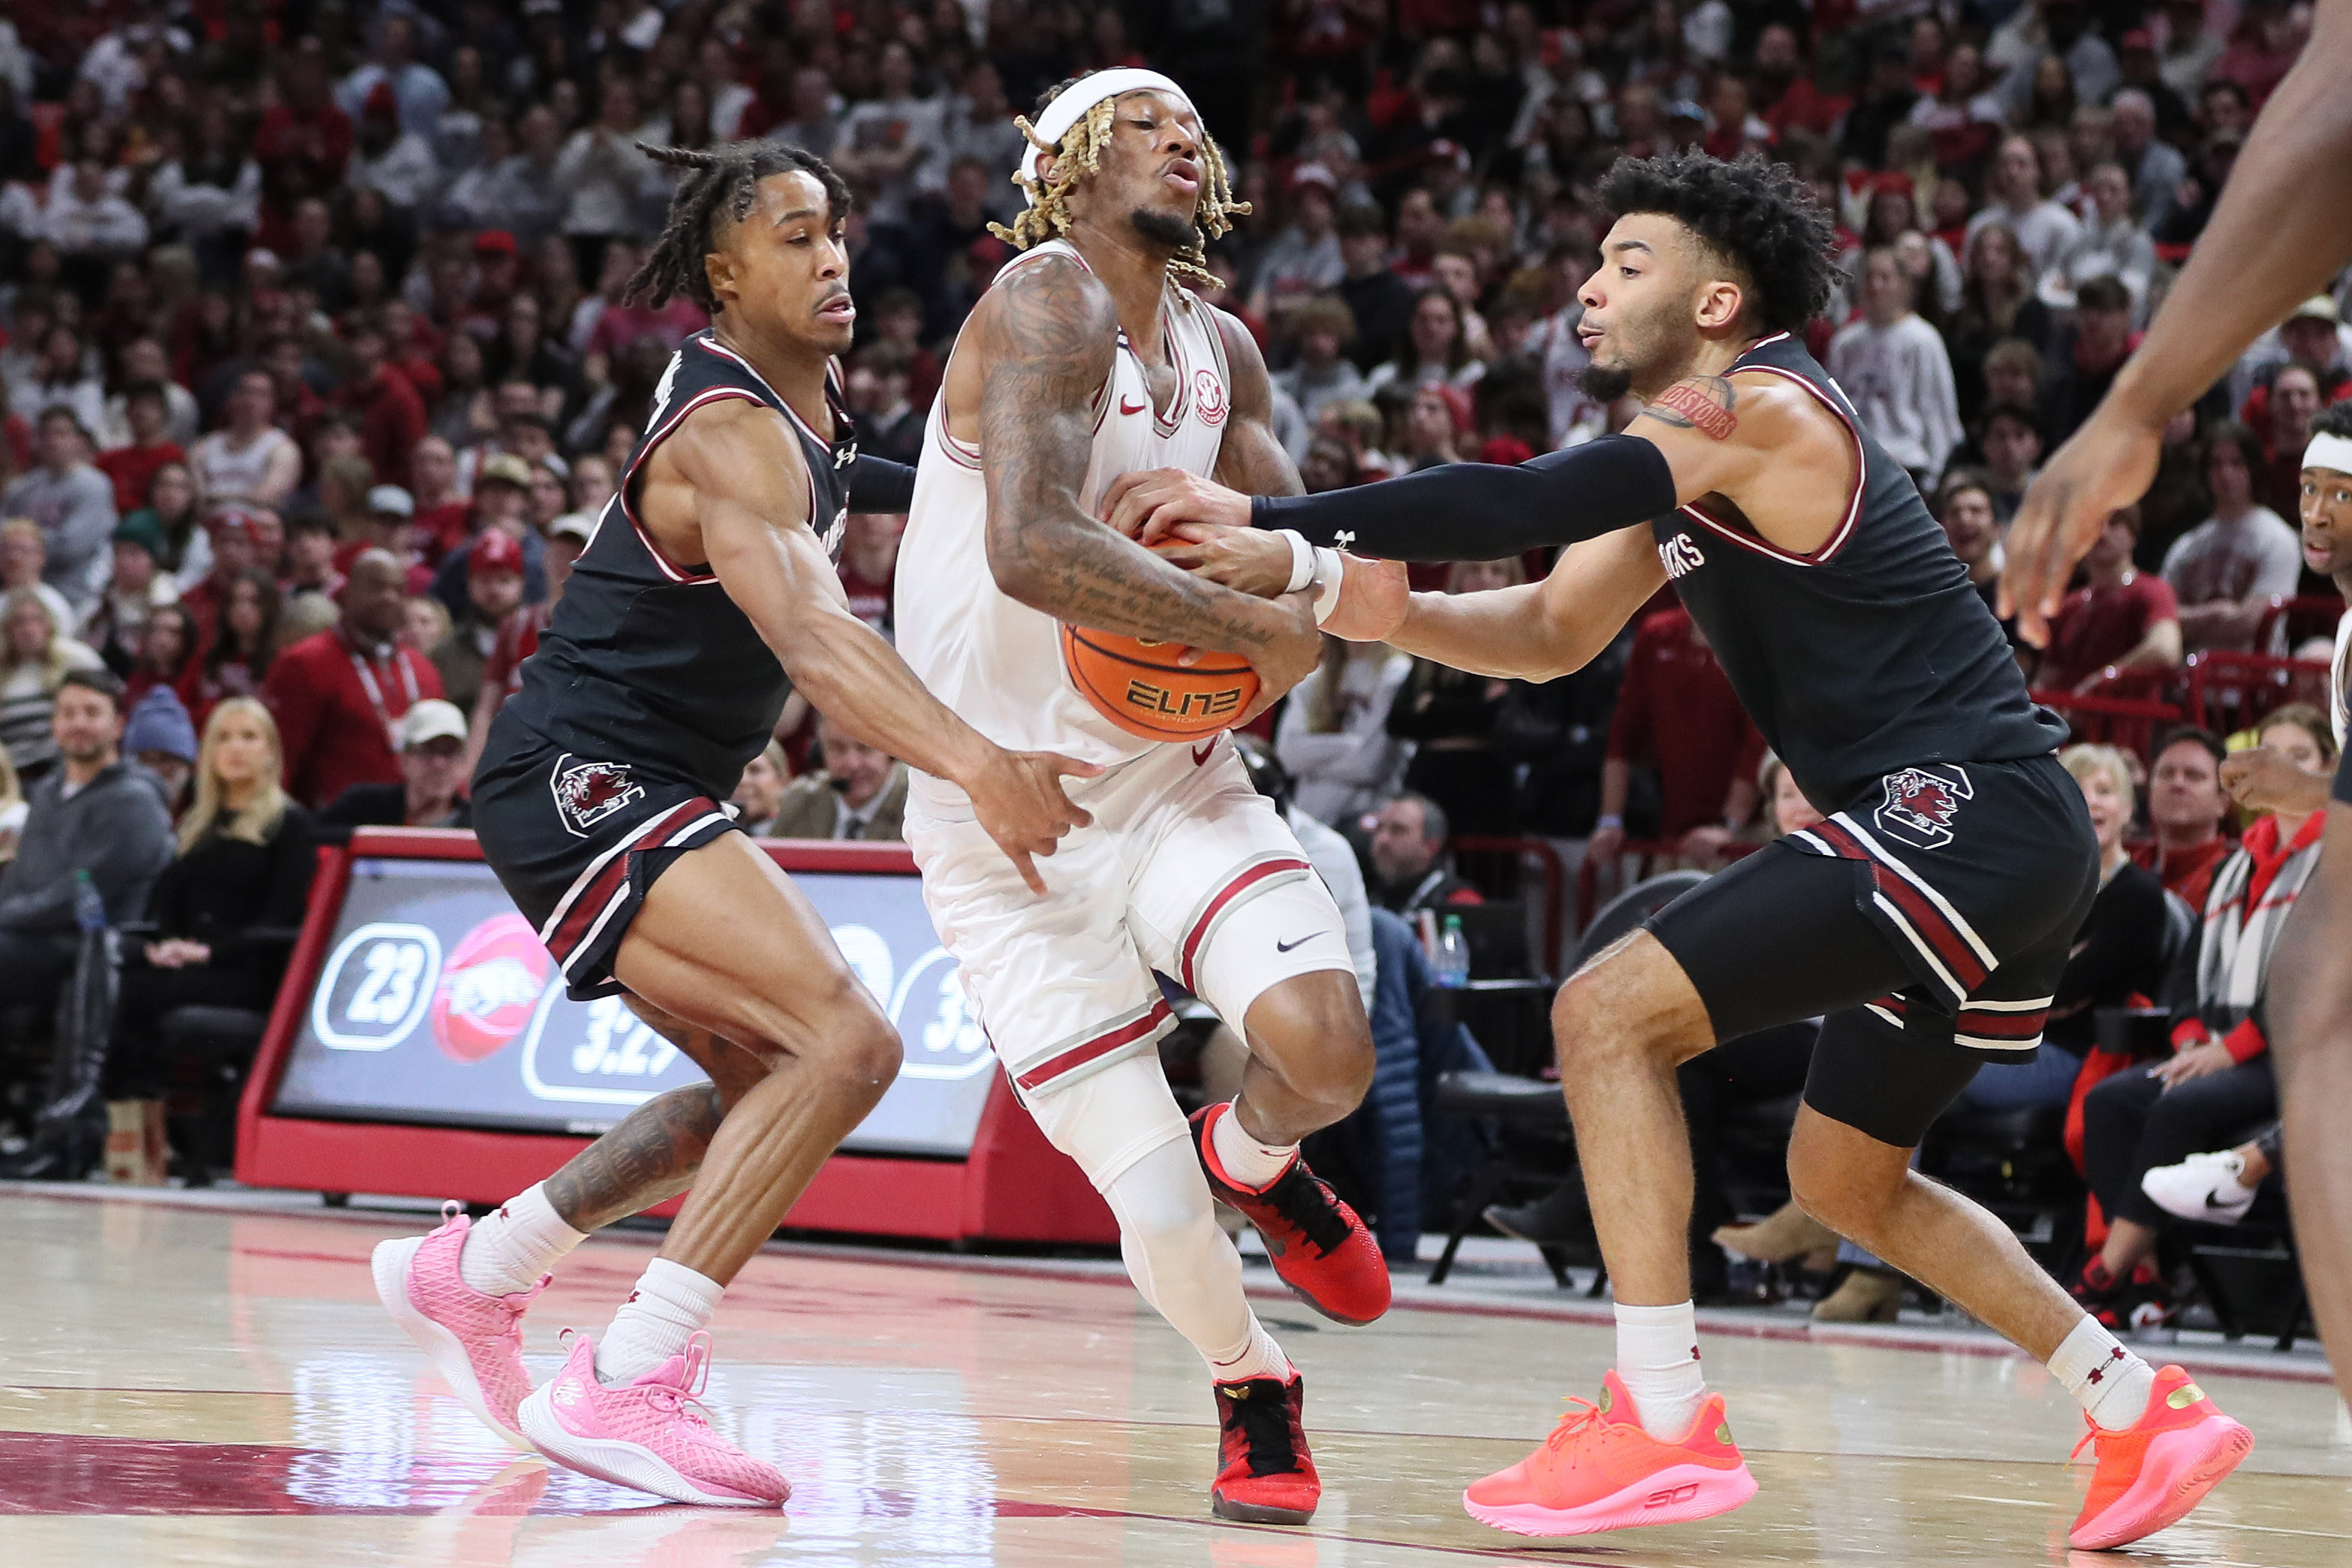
(1142, 688)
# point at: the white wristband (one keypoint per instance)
(1302, 561)
(1330, 571)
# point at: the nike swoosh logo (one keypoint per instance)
(1124, 409)
(1286, 946)
(1200, 753)
(2213, 1200)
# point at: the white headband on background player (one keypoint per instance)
(1070, 108)
(2329, 452)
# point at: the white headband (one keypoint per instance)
(2329, 452)
(1070, 108)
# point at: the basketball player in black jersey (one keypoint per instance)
(596, 802)
(2279, 234)
(1927, 920)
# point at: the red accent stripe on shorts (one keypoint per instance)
(1095, 1050)
(599, 892)
(2002, 1025)
(1225, 896)
(1917, 911)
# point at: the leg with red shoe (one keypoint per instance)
(723, 951)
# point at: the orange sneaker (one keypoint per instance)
(1601, 1470)
(2155, 1470)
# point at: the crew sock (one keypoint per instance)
(1245, 1161)
(1657, 1360)
(2110, 1382)
(671, 1304)
(514, 1248)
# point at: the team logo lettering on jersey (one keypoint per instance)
(1209, 397)
(832, 536)
(1922, 805)
(588, 792)
(1680, 556)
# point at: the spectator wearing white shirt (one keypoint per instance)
(1893, 367)
(889, 144)
(599, 173)
(2226, 570)
(210, 195)
(89, 221)
(61, 378)
(1304, 259)
(416, 88)
(250, 459)
(390, 157)
(145, 360)
(1333, 735)
(1322, 374)
(2111, 245)
(2155, 167)
(2045, 229)
(74, 504)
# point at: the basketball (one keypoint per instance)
(1143, 688)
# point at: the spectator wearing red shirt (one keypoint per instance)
(441, 511)
(235, 551)
(1677, 710)
(517, 637)
(2186, 806)
(338, 695)
(390, 414)
(1786, 95)
(869, 565)
(303, 141)
(2123, 620)
(146, 409)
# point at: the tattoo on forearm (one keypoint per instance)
(1703, 404)
(1048, 342)
(650, 1155)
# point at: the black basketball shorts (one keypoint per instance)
(1925, 923)
(578, 842)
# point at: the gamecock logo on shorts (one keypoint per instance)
(1209, 397)
(490, 984)
(1922, 803)
(588, 792)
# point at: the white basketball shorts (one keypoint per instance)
(1185, 869)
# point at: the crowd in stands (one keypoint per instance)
(319, 371)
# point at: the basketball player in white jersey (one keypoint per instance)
(1083, 361)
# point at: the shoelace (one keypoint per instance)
(1582, 1415)
(686, 1399)
(1264, 1423)
(1306, 1201)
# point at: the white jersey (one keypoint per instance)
(997, 663)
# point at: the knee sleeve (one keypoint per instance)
(1124, 1129)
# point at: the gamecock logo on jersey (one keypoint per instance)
(588, 792)
(1922, 805)
(490, 985)
(1209, 397)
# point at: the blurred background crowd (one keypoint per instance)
(318, 375)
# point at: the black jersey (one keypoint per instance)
(648, 661)
(1872, 655)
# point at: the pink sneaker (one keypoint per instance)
(651, 1434)
(474, 1340)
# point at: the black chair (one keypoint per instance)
(1533, 1147)
(215, 1046)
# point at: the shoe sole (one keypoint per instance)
(1224, 1506)
(618, 1461)
(2180, 1469)
(1675, 1495)
(390, 1264)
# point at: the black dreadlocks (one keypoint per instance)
(717, 193)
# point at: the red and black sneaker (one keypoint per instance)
(1265, 1474)
(1320, 1249)
(2100, 1293)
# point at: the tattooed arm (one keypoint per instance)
(1046, 338)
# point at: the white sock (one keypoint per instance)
(1657, 1360)
(1241, 1157)
(2110, 1382)
(671, 1304)
(1258, 1356)
(512, 1250)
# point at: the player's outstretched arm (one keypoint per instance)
(1047, 339)
(2281, 231)
(749, 496)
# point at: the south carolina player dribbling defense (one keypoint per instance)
(1082, 361)
(596, 803)
(1928, 917)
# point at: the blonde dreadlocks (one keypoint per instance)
(1080, 154)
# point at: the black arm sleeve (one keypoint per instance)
(1484, 511)
(878, 484)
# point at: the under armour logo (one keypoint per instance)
(1343, 538)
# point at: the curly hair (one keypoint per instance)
(2336, 419)
(1048, 212)
(716, 194)
(1758, 215)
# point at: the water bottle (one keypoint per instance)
(1452, 955)
(89, 909)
